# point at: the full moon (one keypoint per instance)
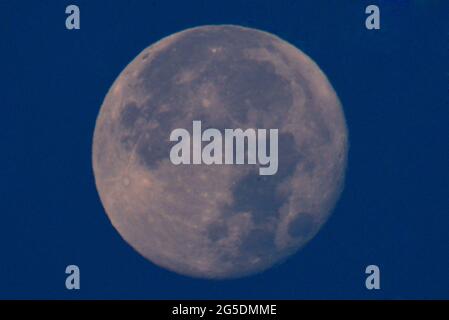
(219, 221)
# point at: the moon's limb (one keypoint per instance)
(219, 221)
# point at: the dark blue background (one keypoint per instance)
(393, 83)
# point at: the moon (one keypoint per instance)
(219, 221)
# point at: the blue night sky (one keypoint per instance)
(393, 84)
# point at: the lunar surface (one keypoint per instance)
(219, 221)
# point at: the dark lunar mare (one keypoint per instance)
(259, 195)
(242, 84)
